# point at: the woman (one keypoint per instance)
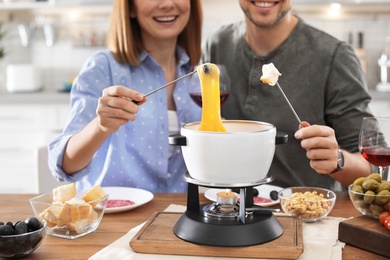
(111, 141)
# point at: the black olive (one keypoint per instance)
(33, 224)
(9, 223)
(274, 195)
(6, 230)
(21, 228)
(35, 239)
(1, 223)
(14, 225)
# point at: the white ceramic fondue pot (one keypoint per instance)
(243, 154)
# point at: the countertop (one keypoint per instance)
(113, 226)
(39, 97)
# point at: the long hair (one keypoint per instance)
(124, 34)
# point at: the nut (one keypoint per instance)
(309, 205)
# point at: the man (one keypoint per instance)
(323, 80)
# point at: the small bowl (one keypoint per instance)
(16, 246)
(308, 203)
(69, 221)
(371, 205)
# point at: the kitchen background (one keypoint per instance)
(46, 43)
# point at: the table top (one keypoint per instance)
(113, 226)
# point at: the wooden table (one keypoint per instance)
(113, 226)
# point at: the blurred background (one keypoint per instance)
(43, 45)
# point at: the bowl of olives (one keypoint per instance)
(370, 195)
(21, 238)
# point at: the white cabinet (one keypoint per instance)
(24, 128)
(53, 4)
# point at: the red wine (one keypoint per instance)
(378, 156)
(197, 97)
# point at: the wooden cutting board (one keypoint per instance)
(157, 237)
(366, 233)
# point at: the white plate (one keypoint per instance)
(264, 192)
(138, 196)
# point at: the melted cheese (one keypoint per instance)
(270, 74)
(211, 100)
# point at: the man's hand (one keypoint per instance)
(321, 146)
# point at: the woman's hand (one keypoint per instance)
(321, 146)
(115, 107)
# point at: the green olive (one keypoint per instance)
(361, 204)
(375, 176)
(370, 184)
(365, 210)
(382, 197)
(384, 185)
(369, 197)
(376, 209)
(358, 189)
(359, 181)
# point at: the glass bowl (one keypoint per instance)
(17, 246)
(308, 203)
(71, 219)
(369, 204)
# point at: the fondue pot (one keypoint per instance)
(243, 154)
(240, 158)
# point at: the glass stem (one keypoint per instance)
(383, 171)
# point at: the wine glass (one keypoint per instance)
(194, 89)
(374, 142)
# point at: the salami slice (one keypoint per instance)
(259, 200)
(119, 203)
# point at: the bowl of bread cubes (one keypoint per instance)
(308, 203)
(69, 213)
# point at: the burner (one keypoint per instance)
(217, 210)
(226, 224)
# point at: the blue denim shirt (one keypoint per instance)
(136, 155)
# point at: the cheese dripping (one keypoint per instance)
(211, 103)
(270, 74)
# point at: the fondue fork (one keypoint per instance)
(263, 209)
(288, 102)
(166, 85)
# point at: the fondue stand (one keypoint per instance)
(227, 222)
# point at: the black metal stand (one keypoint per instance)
(249, 229)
